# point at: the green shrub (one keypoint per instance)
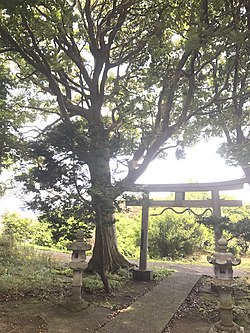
(42, 235)
(170, 235)
(235, 227)
(128, 234)
(174, 236)
(25, 230)
(18, 228)
(7, 247)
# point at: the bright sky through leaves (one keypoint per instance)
(202, 164)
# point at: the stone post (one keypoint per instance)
(223, 282)
(78, 248)
(143, 274)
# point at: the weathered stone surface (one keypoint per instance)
(74, 305)
(60, 320)
(152, 312)
(223, 262)
(142, 275)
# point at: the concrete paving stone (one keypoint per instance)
(152, 312)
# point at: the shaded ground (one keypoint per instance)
(201, 309)
(22, 313)
(197, 314)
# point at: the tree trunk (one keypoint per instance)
(112, 258)
(106, 256)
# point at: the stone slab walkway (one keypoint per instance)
(149, 314)
(152, 312)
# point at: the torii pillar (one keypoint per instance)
(143, 274)
(216, 213)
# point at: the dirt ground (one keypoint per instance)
(22, 313)
(197, 314)
(201, 309)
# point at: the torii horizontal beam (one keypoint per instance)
(188, 203)
(235, 184)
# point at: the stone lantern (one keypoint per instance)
(77, 264)
(223, 262)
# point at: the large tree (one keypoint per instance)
(136, 76)
(232, 118)
(10, 123)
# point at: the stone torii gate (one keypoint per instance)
(143, 274)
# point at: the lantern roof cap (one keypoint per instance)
(79, 244)
(222, 244)
(222, 257)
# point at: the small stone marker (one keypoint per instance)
(78, 248)
(223, 281)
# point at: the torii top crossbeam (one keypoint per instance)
(235, 184)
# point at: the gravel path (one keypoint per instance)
(183, 268)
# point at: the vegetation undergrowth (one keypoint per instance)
(25, 271)
(209, 302)
(172, 237)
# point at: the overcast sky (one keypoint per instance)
(202, 164)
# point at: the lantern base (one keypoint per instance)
(75, 305)
(219, 328)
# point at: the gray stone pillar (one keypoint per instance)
(143, 274)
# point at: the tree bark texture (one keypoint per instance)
(106, 256)
(112, 258)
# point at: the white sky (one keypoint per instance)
(201, 164)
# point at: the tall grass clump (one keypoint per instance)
(24, 271)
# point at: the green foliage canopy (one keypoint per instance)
(139, 76)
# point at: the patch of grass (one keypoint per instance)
(245, 263)
(23, 271)
(200, 259)
(161, 273)
(93, 284)
(197, 259)
(46, 248)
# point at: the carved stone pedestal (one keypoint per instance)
(223, 283)
(74, 305)
(219, 328)
(226, 323)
